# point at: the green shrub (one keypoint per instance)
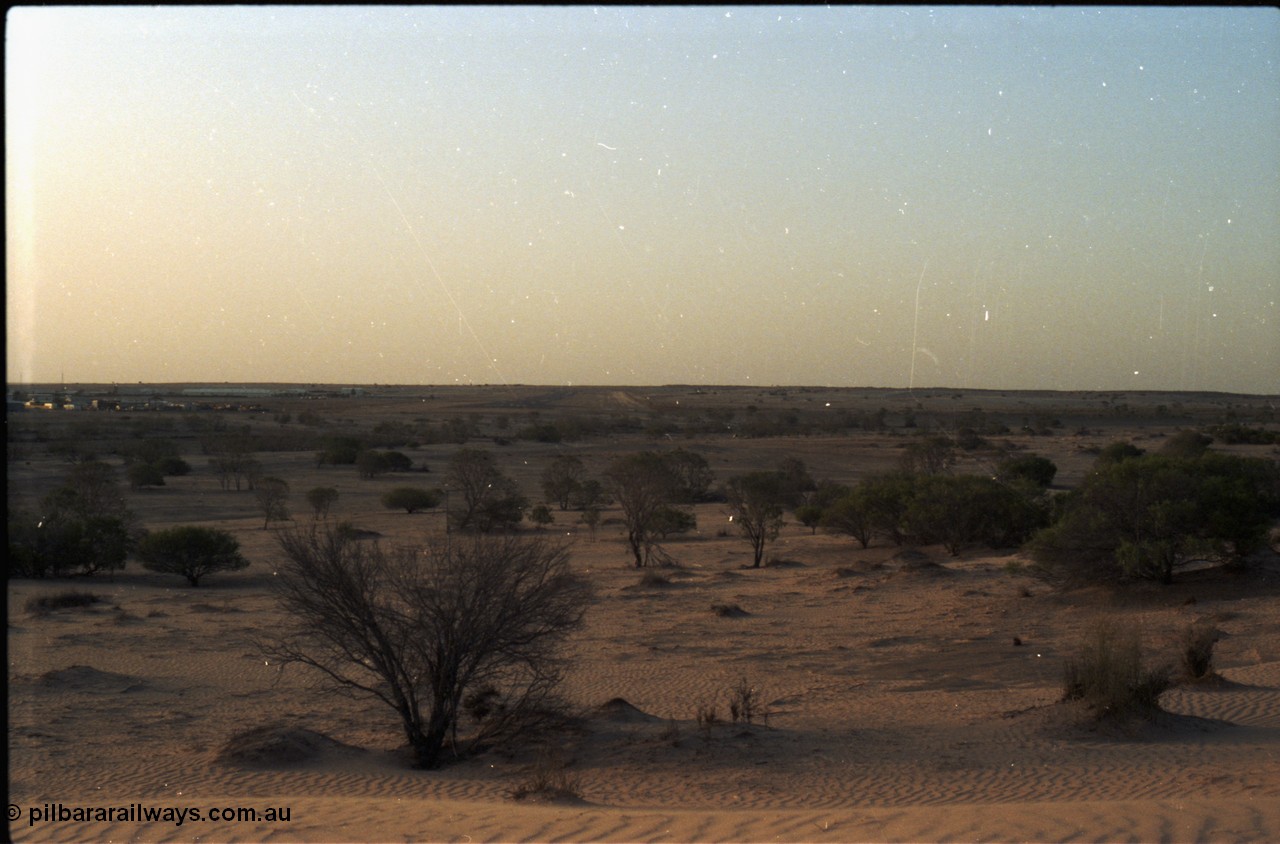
(541, 516)
(809, 515)
(173, 466)
(669, 520)
(1034, 470)
(396, 461)
(372, 463)
(67, 540)
(960, 510)
(1143, 516)
(1186, 444)
(321, 499)
(1116, 452)
(339, 451)
(850, 515)
(143, 475)
(191, 551)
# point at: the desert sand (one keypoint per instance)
(910, 695)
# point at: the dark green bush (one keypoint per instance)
(191, 551)
(1144, 516)
(1186, 444)
(411, 499)
(144, 475)
(1115, 453)
(1034, 470)
(321, 499)
(173, 466)
(960, 510)
(339, 451)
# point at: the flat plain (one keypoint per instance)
(911, 695)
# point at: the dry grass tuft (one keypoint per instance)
(1108, 675)
(549, 779)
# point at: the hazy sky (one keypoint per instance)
(1062, 198)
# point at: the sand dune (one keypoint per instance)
(898, 709)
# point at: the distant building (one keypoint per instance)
(229, 392)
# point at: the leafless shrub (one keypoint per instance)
(745, 704)
(425, 630)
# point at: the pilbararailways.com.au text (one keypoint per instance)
(139, 813)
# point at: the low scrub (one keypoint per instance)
(745, 703)
(1109, 676)
(653, 580)
(45, 604)
(549, 779)
(1195, 647)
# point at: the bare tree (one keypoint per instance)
(321, 499)
(645, 487)
(236, 469)
(928, 456)
(478, 623)
(488, 499)
(756, 500)
(272, 495)
(562, 478)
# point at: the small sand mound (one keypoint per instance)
(85, 678)
(619, 709)
(218, 608)
(651, 580)
(913, 562)
(1074, 720)
(277, 745)
(858, 569)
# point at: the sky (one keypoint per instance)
(968, 197)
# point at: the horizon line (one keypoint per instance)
(11, 385)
